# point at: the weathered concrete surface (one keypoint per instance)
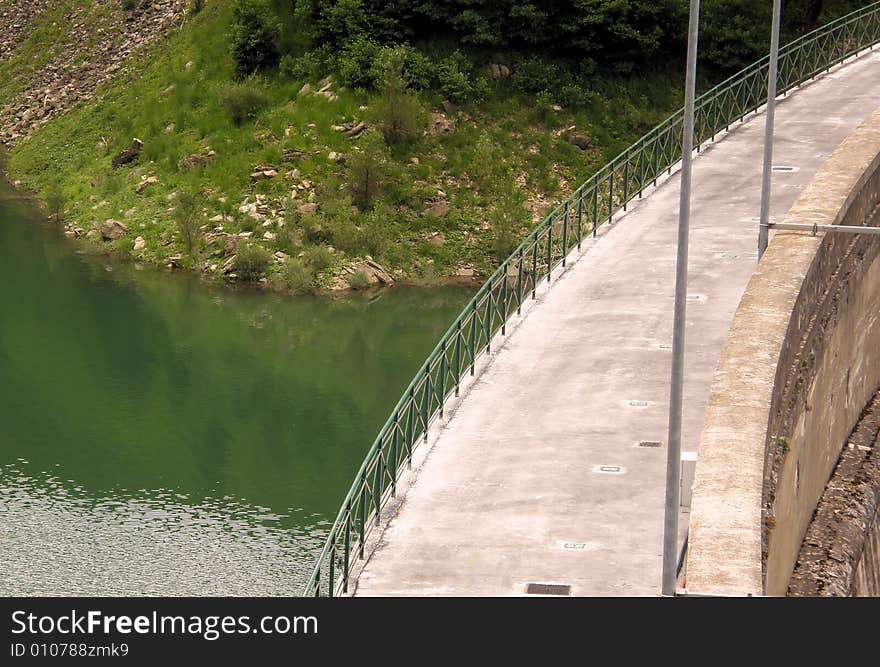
(515, 474)
(801, 361)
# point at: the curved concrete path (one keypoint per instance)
(538, 475)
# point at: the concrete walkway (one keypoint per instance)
(538, 476)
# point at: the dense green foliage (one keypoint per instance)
(255, 34)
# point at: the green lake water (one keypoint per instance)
(162, 436)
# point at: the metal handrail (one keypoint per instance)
(593, 204)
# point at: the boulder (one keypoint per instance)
(129, 155)
(263, 173)
(441, 125)
(582, 141)
(306, 89)
(145, 183)
(437, 209)
(375, 273)
(231, 244)
(112, 230)
(139, 244)
(304, 208)
(194, 160)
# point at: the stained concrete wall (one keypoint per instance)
(801, 361)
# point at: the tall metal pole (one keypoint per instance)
(763, 229)
(673, 450)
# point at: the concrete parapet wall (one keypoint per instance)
(801, 361)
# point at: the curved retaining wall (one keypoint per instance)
(801, 361)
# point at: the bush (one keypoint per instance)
(186, 215)
(355, 64)
(195, 6)
(508, 215)
(318, 258)
(398, 112)
(368, 170)
(296, 275)
(251, 261)
(242, 101)
(307, 67)
(254, 37)
(286, 238)
(358, 280)
(453, 78)
(55, 202)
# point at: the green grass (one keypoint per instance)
(178, 110)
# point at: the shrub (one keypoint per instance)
(195, 6)
(55, 202)
(355, 64)
(453, 78)
(254, 37)
(286, 238)
(251, 261)
(318, 258)
(186, 215)
(242, 101)
(296, 275)
(507, 216)
(368, 170)
(358, 280)
(307, 67)
(398, 112)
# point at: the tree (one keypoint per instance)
(398, 112)
(255, 35)
(368, 170)
(186, 215)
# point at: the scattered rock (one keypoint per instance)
(269, 236)
(466, 271)
(188, 162)
(306, 89)
(304, 208)
(352, 129)
(169, 129)
(448, 106)
(415, 161)
(441, 125)
(263, 173)
(112, 230)
(293, 174)
(129, 155)
(437, 209)
(281, 256)
(436, 239)
(374, 272)
(231, 244)
(498, 71)
(145, 183)
(582, 141)
(139, 244)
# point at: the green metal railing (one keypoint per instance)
(543, 251)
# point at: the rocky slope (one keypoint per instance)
(95, 40)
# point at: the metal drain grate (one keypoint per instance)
(548, 589)
(649, 443)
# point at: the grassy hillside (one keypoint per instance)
(447, 204)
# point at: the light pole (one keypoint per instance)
(763, 228)
(673, 450)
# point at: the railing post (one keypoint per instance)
(519, 284)
(362, 514)
(410, 425)
(487, 321)
(441, 388)
(625, 181)
(473, 344)
(426, 399)
(394, 454)
(580, 212)
(564, 233)
(457, 355)
(332, 563)
(535, 264)
(378, 477)
(549, 247)
(346, 547)
(611, 195)
(595, 206)
(505, 267)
